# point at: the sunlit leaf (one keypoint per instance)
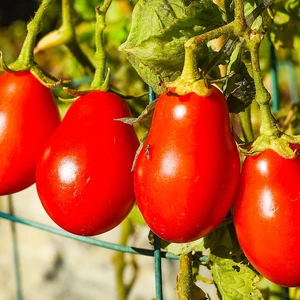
(155, 47)
(234, 280)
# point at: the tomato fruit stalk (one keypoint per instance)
(266, 216)
(28, 117)
(84, 177)
(187, 172)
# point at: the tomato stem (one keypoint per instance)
(190, 79)
(99, 81)
(25, 60)
(240, 18)
(270, 136)
(186, 287)
(190, 70)
(26, 56)
(263, 97)
(68, 30)
(198, 40)
(65, 34)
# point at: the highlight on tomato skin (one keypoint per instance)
(266, 216)
(28, 117)
(84, 178)
(187, 173)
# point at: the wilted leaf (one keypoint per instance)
(239, 88)
(144, 119)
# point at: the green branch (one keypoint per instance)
(26, 56)
(66, 35)
(263, 97)
(186, 287)
(68, 29)
(99, 81)
(240, 17)
(25, 60)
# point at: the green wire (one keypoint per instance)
(157, 251)
(15, 252)
(157, 268)
(87, 240)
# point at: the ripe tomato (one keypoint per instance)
(266, 216)
(84, 177)
(28, 116)
(187, 172)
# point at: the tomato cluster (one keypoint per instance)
(185, 180)
(81, 165)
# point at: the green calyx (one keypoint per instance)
(279, 143)
(181, 86)
(190, 79)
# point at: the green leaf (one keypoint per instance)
(219, 236)
(185, 248)
(234, 280)
(286, 19)
(249, 6)
(144, 119)
(155, 47)
(292, 7)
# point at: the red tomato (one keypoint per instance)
(187, 172)
(28, 116)
(84, 177)
(266, 216)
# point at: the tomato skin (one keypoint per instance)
(28, 116)
(266, 216)
(84, 177)
(187, 172)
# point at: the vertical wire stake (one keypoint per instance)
(151, 95)
(157, 252)
(15, 251)
(158, 273)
